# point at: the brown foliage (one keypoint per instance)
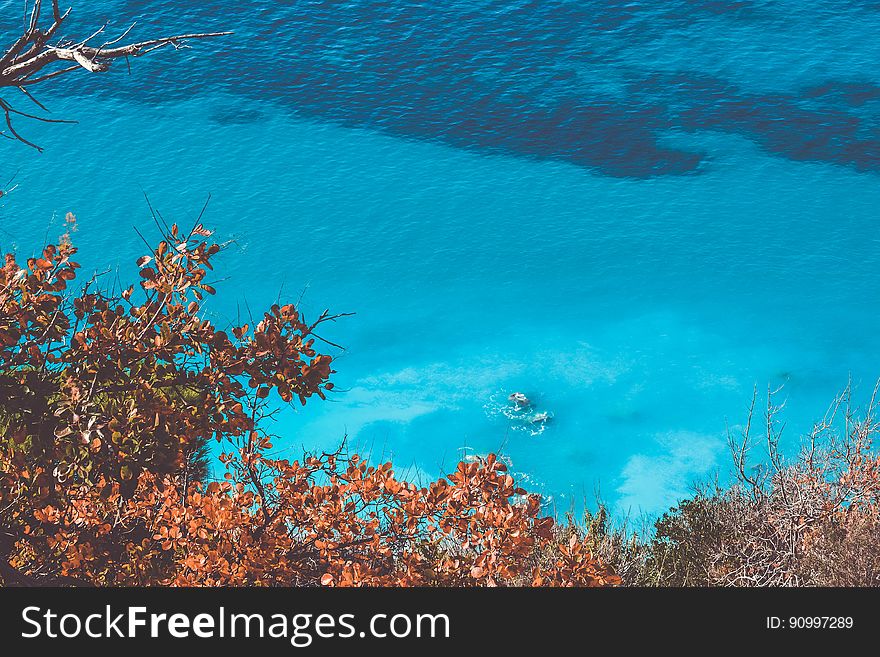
(809, 520)
(104, 394)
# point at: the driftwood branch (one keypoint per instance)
(39, 55)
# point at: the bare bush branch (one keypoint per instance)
(38, 55)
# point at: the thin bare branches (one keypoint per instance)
(33, 59)
(786, 518)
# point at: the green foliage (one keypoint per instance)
(687, 539)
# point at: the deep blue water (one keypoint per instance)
(634, 212)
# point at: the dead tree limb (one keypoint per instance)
(40, 54)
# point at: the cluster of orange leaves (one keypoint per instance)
(103, 399)
(360, 527)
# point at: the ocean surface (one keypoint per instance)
(632, 212)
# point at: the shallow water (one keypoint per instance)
(632, 212)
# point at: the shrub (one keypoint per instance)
(108, 397)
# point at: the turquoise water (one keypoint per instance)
(632, 212)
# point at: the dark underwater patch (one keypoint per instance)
(789, 125)
(497, 77)
(854, 94)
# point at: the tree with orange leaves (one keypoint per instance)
(106, 395)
